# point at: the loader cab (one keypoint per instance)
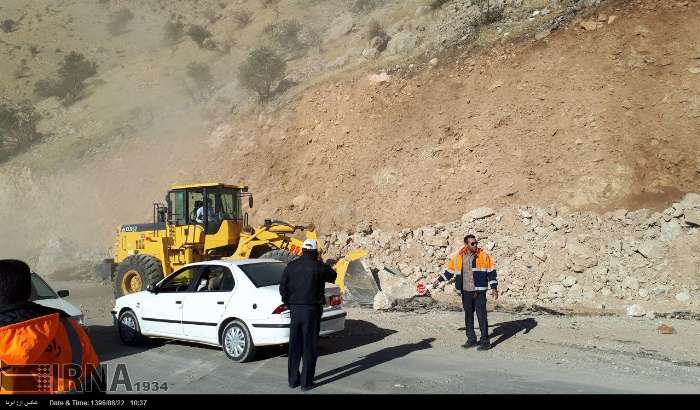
(207, 205)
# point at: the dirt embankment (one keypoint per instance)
(587, 120)
(581, 119)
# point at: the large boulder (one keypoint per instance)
(402, 43)
(636, 311)
(692, 217)
(382, 301)
(690, 201)
(478, 213)
(395, 286)
(671, 230)
(581, 257)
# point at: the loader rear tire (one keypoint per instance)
(135, 273)
(281, 255)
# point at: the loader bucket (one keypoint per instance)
(355, 279)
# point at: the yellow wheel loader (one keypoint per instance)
(202, 222)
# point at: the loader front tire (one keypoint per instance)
(281, 255)
(135, 273)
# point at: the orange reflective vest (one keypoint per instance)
(47, 354)
(483, 269)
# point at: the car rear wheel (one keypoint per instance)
(237, 343)
(129, 329)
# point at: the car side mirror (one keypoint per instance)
(152, 288)
(63, 293)
(250, 201)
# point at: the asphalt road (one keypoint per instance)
(364, 362)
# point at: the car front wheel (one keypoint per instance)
(237, 343)
(129, 329)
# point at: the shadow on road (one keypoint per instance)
(357, 333)
(506, 330)
(106, 342)
(373, 359)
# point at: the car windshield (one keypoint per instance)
(41, 290)
(264, 273)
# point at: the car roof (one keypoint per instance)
(237, 262)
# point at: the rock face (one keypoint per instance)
(479, 213)
(635, 311)
(381, 302)
(402, 43)
(581, 257)
(546, 256)
(394, 286)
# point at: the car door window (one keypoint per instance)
(215, 278)
(180, 281)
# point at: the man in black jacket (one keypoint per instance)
(303, 290)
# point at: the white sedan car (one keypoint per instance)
(43, 294)
(234, 304)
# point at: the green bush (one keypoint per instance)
(198, 34)
(119, 20)
(17, 127)
(285, 35)
(9, 25)
(72, 73)
(364, 6)
(268, 3)
(436, 4)
(243, 17)
(261, 70)
(375, 29)
(489, 14)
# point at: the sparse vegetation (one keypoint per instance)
(173, 32)
(17, 128)
(489, 14)
(364, 6)
(436, 4)
(268, 3)
(492, 15)
(375, 29)
(198, 34)
(200, 73)
(285, 35)
(9, 25)
(261, 70)
(243, 17)
(119, 20)
(72, 73)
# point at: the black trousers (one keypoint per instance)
(475, 302)
(303, 343)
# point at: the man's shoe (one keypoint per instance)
(293, 386)
(307, 388)
(469, 344)
(484, 346)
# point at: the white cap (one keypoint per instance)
(309, 244)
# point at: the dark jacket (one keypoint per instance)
(11, 314)
(304, 281)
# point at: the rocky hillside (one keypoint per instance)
(640, 260)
